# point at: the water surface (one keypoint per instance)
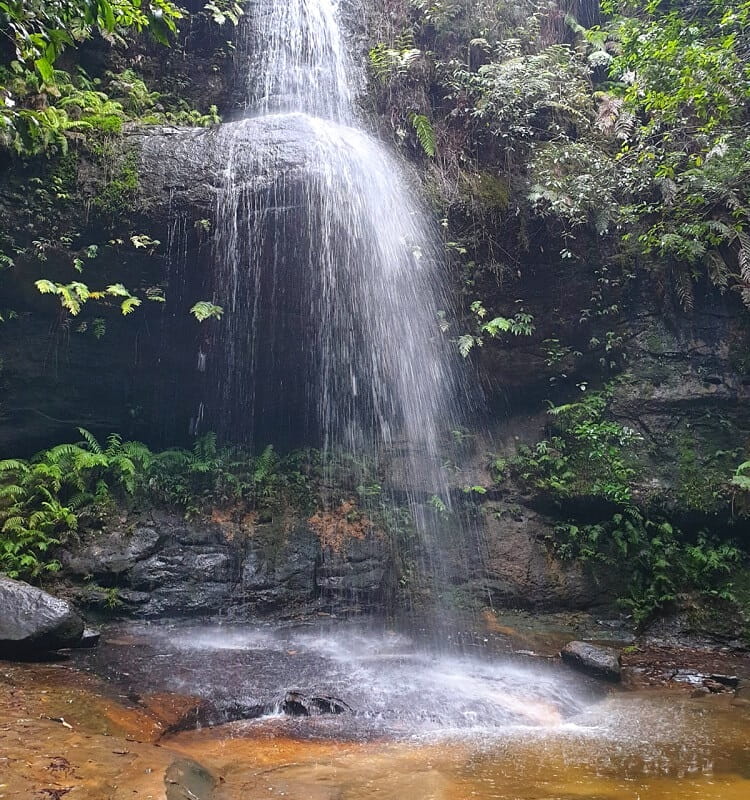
(428, 727)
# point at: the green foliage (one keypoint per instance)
(636, 129)
(681, 76)
(519, 96)
(425, 133)
(44, 107)
(740, 489)
(223, 10)
(44, 500)
(521, 324)
(574, 182)
(388, 63)
(41, 499)
(657, 562)
(702, 478)
(210, 475)
(40, 30)
(204, 310)
(116, 196)
(587, 455)
(74, 295)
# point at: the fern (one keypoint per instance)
(684, 289)
(466, 344)
(743, 256)
(204, 310)
(265, 464)
(12, 492)
(718, 269)
(138, 453)
(13, 465)
(425, 133)
(91, 441)
(114, 445)
(387, 62)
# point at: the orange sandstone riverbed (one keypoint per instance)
(63, 734)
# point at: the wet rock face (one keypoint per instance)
(520, 570)
(185, 168)
(165, 566)
(32, 620)
(112, 554)
(604, 662)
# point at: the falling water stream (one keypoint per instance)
(329, 271)
(330, 274)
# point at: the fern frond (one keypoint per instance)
(80, 500)
(684, 289)
(425, 133)
(624, 128)
(173, 459)
(265, 464)
(718, 269)
(15, 525)
(13, 491)
(91, 441)
(205, 447)
(138, 453)
(743, 256)
(86, 461)
(60, 452)
(114, 444)
(721, 229)
(13, 465)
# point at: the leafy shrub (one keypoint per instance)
(657, 560)
(40, 499)
(588, 455)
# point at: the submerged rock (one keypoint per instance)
(188, 780)
(603, 662)
(32, 620)
(297, 704)
(177, 712)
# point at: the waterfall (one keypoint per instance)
(299, 60)
(329, 272)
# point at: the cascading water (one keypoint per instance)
(298, 60)
(326, 265)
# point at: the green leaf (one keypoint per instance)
(465, 344)
(425, 133)
(46, 287)
(204, 310)
(45, 70)
(129, 305)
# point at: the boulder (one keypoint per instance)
(604, 662)
(187, 780)
(32, 620)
